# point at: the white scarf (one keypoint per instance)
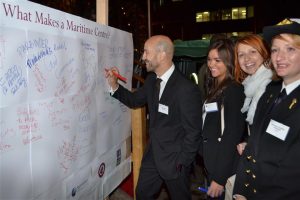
(254, 87)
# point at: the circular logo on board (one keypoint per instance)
(101, 170)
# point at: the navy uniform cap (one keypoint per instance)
(291, 26)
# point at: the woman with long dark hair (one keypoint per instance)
(224, 123)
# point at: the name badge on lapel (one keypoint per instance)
(163, 109)
(278, 129)
(211, 107)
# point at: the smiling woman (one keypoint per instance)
(275, 129)
(223, 123)
(220, 62)
(285, 57)
(253, 70)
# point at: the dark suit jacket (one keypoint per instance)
(270, 167)
(221, 156)
(175, 137)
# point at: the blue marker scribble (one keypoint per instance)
(84, 116)
(119, 52)
(87, 46)
(51, 63)
(12, 80)
(35, 58)
(32, 44)
(117, 121)
(66, 69)
(60, 46)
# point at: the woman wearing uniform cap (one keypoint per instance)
(270, 165)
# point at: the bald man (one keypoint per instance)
(174, 107)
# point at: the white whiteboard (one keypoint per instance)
(61, 134)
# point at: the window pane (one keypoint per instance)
(242, 13)
(202, 16)
(215, 16)
(235, 13)
(226, 14)
(239, 13)
(250, 12)
(206, 16)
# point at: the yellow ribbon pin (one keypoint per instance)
(294, 101)
(270, 97)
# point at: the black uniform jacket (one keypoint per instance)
(270, 165)
(175, 136)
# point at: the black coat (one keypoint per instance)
(270, 167)
(174, 138)
(219, 152)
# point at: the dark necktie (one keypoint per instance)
(280, 97)
(156, 92)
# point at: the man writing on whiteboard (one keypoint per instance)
(174, 105)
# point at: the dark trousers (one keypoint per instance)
(217, 198)
(150, 182)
